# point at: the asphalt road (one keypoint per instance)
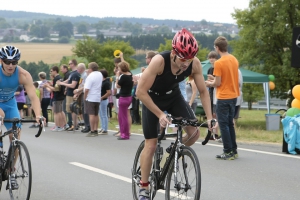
(70, 166)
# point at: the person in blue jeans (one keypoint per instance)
(226, 81)
(105, 93)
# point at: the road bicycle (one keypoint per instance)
(16, 165)
(182, 183)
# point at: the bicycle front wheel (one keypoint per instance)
(188, 179)
(22, 172)
(136, 172)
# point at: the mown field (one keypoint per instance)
(48, 53)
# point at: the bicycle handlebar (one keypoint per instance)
(17, 120)
(189, 122)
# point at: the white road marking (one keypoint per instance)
(100, 171)
(258, 151)
(249, 150)
(116, 176)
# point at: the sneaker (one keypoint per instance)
(55, 129)
(13, 182)
(102, 133)
(92, 134)
(60, 129)
(144, 194)
(71, 128)
(225, 156)
(86, 130)
(66, 127)
(32, 126)
(219, 140)
(235, 153)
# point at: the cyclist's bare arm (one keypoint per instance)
(26, 80)
(200, 83)
(155, 67)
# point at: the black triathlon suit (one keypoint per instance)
(166, 94)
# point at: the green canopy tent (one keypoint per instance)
(136, 71)
(248, 77)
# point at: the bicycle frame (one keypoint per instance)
(15, 138)
(169, 162)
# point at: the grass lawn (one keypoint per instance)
(251, 128)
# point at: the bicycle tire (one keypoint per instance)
(22, 172)
(136, 173)
(188, 162)
(282, 112)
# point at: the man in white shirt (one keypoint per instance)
(92, 97)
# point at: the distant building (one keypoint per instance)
(106, 33)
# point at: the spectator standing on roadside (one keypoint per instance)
(239, 100)
(92, 97)
(80, 94)
(57, 100)
(226, 81)
(45, 95)
(66, 73)
(21, 99)
(191, 93)
(71, 84)
(125, 82)
(105, 93)
(38, 94)
(212, 57)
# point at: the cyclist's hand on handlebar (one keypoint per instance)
(39, 118)
(163, 120)
(212, 124)
(216, 125)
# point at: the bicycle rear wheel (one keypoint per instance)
(136, 172)
(188, 177)
(22, 172)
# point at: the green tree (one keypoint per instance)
(35, 68)
(265, 40)
(39, 31)
(65, 28)
(3, 23)
(252, 93)
(64, 32)
(82, 28)
(64, 40)
(102, 53)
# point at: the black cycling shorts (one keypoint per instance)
(173, 103)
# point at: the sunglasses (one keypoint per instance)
(8, 62)
(185, 60)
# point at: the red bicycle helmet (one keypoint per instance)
(185, 45)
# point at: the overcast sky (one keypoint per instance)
(196, 10)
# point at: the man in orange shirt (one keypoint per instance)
(226, 81)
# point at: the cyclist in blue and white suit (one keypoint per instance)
(11, 76)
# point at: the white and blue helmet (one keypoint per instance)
(10, 53)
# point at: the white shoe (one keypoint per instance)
(55, 129)
(60, 129)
